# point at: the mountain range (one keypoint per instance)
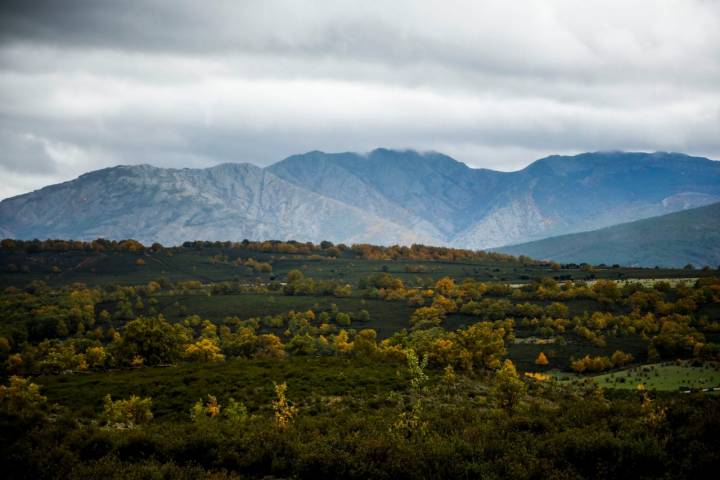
(383, 197)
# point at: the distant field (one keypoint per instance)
(118, 267)
(664, 377)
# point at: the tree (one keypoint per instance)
(343, 319)
(620, 358)
(541, 360)
(444, 304)
(96, 356)
(153, 338)
(508, 386)
(365, 342)
(295, 276)
(14, 362)
(284, 410)
(269, 346)
(416, 369)
(483, 343)
(445, 286)
(425, 317)
(243, 343)
(235, 411)
(21, 397)
(341, 343)
(127, 413)
(301, 345)
(204, 350)
(210, 409)
(557, 310)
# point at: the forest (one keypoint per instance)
(299, 360)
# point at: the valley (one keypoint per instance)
(214, 357)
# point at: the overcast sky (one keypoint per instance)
(496, 84)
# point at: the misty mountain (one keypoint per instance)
(382, 197)
(672, 240)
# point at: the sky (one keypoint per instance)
(496, 84)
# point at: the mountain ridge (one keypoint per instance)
(384, 196)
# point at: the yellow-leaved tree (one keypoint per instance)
(127, 413)
(204, 350)
(285, 411)
(541, 359)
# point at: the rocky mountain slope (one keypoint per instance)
(382, 197)
(229, 201)
(672, 240)
(478, 208)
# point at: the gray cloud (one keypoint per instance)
(88, 84)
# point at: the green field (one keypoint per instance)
(664, 377)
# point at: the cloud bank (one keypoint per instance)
(496, 84)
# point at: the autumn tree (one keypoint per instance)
(284, 409)
(541, 360)
(508, 386)
(204, 350)
(269, 346)
(483, 343)
(445, 286)
(127, 413)
(96, 356)
(620, 358)
(341, 343)
(21, 398)
(204, 410)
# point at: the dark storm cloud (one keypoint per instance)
(87, 84)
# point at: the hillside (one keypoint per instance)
(672, 240)
(383, 197)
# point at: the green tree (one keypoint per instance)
(301, 345)
(365, 342)
(508, 386)
(295, 276)
(154, 339)
(342, 319)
